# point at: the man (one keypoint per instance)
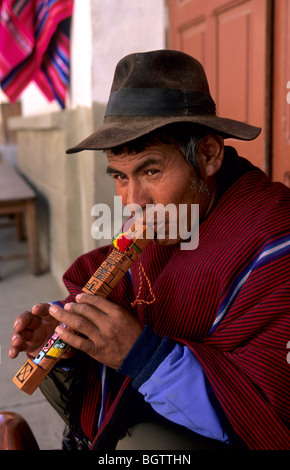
(202, 358)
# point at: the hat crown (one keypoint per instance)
(154, 89)
(160, 69)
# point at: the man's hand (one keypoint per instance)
(106, 331)
(32, 330)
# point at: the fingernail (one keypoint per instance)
(59, 330)
(15, 323)
(34, 306)
(52, 309)
(14, 338)
(11, 354)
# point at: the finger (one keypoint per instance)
(18, 339)
(25, 320)
(19, 343)
(73, 318)
(13, 352)
(89, 311)
(105, 309)
(24, 346)
(41, 309)
(75, 341)
(102, 304)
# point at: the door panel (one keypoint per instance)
(229, 39)
(281, 93)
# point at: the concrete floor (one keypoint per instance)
(19, 291)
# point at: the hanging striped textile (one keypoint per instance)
(34, 46)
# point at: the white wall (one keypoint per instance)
(81, 55)
(120, 27)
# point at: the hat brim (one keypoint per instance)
(118, 131)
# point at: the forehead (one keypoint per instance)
(161, 153)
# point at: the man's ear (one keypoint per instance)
(211, 154)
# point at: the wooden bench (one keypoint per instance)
(17, 198)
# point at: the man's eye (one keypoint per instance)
(119, 177)
(152, 172)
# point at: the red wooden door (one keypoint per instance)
(281, 93)
(229, 38)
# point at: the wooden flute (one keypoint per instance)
(110, 272)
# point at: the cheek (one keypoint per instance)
(178, 190)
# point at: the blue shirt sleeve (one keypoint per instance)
(171, 379)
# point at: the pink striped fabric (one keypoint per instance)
(34, 46)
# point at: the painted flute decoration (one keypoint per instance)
(125, 252)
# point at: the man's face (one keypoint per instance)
(158, 175)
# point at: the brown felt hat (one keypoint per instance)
(153, 89)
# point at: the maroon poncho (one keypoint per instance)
(240, 276)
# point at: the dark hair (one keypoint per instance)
(185, 136)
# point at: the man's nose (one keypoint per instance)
(136, 194)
